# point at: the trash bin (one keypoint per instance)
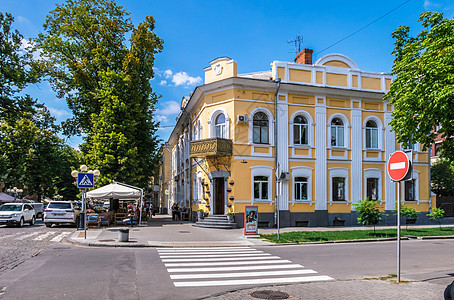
(123, 235)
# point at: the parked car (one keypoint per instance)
(61, 212)
(17, 214)
(39, 210)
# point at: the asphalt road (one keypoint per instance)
(72, 272)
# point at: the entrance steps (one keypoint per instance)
(216, 221)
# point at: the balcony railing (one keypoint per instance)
(211, 147)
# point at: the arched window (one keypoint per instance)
(220, 126)
(300, 130)
(337, 133)
(371, 135)
(260, 128)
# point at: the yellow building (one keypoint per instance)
(323, 126)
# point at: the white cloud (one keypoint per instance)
(170, 108)
(182, 78)
(161, 118)
(168, 73)
(27, 45)
(163, 82)
(59, 112)
(427, 4)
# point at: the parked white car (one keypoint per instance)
(61, 212)
(17, 214)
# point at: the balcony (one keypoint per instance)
(211, 147)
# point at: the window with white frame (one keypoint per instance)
(372, 188)
(337, 133)
(261, 178)
(261, 188)
(220, 126)
(371, 135)
(300, 130)
(410, 190)
(260, 128)
(338, 188)
(300, 188)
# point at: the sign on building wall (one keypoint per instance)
(251, 220)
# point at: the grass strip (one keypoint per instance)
(324, 236)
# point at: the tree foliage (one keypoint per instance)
(106, 83)
(32, 154)
(423, 92)
(442, 178)
(437, 214)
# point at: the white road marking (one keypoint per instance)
(231, 263)
(247, 274)
(214, 249)
(242, 268)
(59, 237)
(251, 281)
(23, 237)
(42, 237)
(8, 236)
(258, 253)
(200, 253)
(227, 259)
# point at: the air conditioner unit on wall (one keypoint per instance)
(241, 118)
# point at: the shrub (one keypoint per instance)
(437, 214)
(368, 212)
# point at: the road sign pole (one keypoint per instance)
(398, 231)
(84, 204)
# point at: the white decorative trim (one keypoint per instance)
(212, 122)
(347, 129)
(262, 171)
(270, 127)
(337, 56)
(374, 173)
(310, 133)
(338, 172)
(380, 130)
(302, 171)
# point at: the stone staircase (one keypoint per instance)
(216, 221)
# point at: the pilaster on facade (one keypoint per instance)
(320, 156)
(357, 180)
(282, 146)
(390, 187)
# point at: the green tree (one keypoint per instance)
(106, 83)
(368, 211)
(442, 178)
(408, 212)
(423, 91)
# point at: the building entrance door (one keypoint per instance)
(219, 196)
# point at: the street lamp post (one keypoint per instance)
(83, 218)
(15, 191)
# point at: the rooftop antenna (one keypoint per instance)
(297, 40)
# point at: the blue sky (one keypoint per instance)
(253, 33)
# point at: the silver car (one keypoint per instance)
(61, 212)
(17, 214)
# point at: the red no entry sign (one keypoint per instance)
(398, 165)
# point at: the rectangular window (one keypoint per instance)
(371, 138)
(372, 188)
(256, 134)
(260, 188)
(300, 135)
(338, 189)
(409, 189)
(300, 188)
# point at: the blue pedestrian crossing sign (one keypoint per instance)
(85, 180)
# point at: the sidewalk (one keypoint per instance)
(162, 231)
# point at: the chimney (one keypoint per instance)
(304, 57)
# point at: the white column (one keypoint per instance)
(282, 143)
(390, 187)
(320, 157)
(357, 157)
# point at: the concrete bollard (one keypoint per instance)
(123, 235)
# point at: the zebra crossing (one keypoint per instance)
(51, 236)
(222, 266)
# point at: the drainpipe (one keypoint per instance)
(430, 183)
(276, 201)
